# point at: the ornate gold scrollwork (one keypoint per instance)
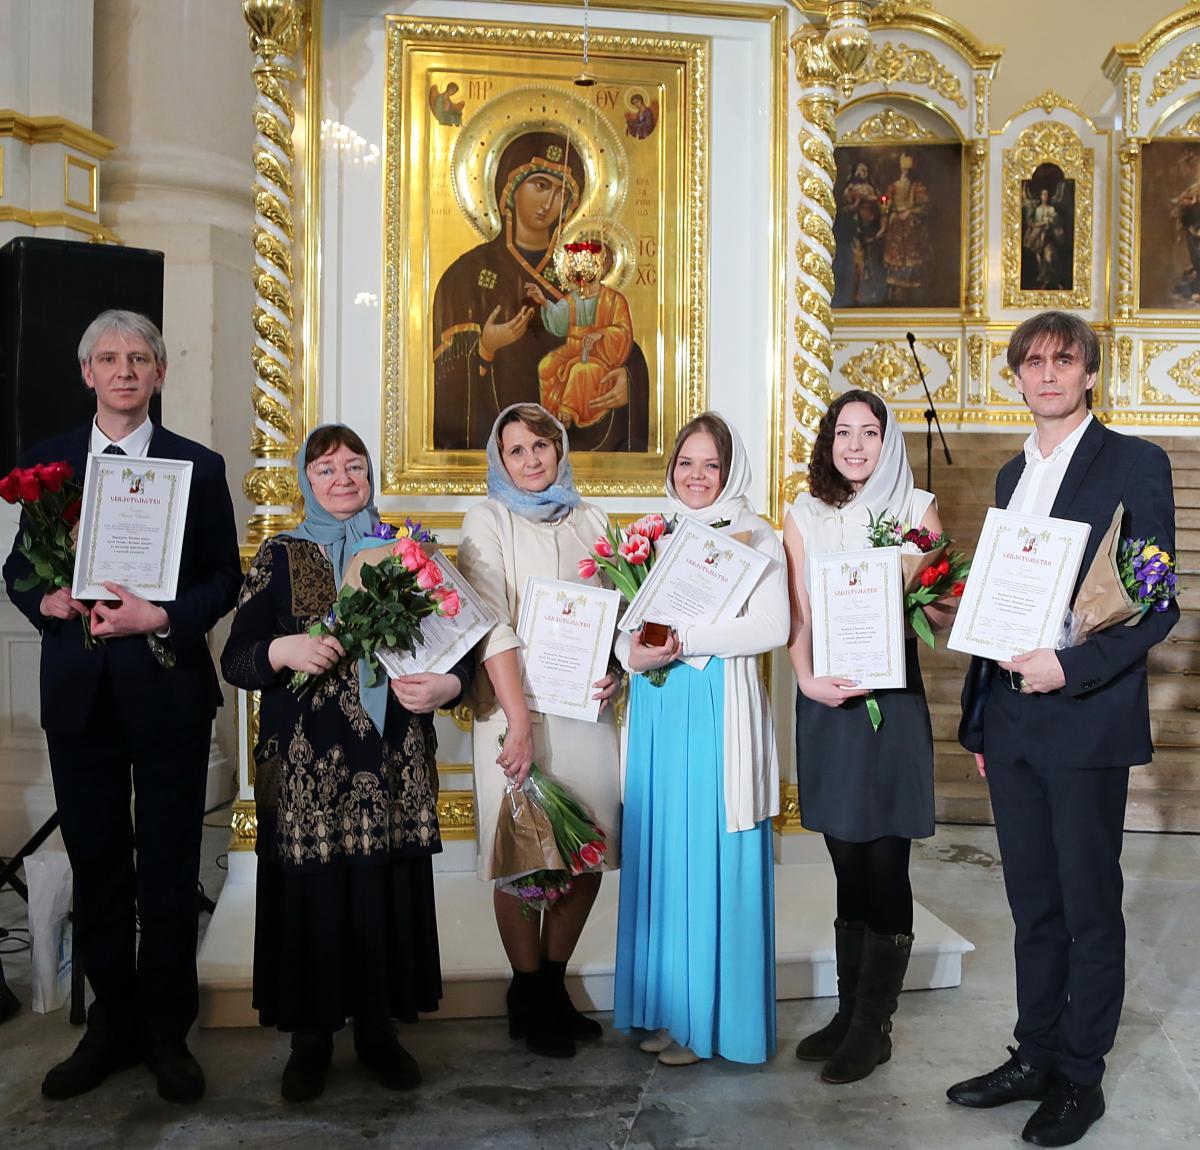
(275, 35)
(888, 125)
(1124, 346)
(976, 352)
(1185, 67)
(1188, 130)
(456, 814)
(891, 63)
(1151, 349)
(883, 368)
(1048, 101)
(787, 822)
(245, 825)
(977, 155)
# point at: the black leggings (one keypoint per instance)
(872, 883)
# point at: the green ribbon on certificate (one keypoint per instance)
(873, 711)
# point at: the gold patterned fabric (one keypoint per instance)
(338, 790)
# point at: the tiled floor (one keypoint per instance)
(483, 1091)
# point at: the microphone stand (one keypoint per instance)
(931, 417)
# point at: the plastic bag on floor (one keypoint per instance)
(48, 876)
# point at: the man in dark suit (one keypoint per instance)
(116, 715)
(1056, 732)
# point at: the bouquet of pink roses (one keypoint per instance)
(386, 592)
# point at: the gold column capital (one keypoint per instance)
(274, 27)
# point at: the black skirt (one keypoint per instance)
(351, 940)
(859, 784)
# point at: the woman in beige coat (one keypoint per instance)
(534, 523)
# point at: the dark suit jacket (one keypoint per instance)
(155, 697)
(1101, 717)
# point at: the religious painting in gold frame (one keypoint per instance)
(1169, 226)
(1046, 253)
(493, 157)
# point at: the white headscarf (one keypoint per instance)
(732, 502)
(888, 491)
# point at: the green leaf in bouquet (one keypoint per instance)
(920, 624)
(27, 584)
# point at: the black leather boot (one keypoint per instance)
(378, 1047)
(848, 941)
(304, 1074)
(868, 1041)
(578, 1026)
(531, 1016)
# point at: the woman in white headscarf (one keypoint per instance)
(696, 931)
(870, 792)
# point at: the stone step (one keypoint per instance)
(1168, 693)
(1148, 809)
(1168, 729)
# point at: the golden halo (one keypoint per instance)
(536, 108)
(635, 91)
(620, 242)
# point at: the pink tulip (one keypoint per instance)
(651, 526)
(603, 548)
(635, 550)
(587, 568)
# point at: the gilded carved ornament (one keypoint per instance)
(1124, 347)
(891, 63)
(1184, 68)
(888, 125)
(1186, 373)
(1188, 130)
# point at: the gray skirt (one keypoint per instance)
(858, 784)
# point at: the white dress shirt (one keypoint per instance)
(1043, 475)
(136, 443)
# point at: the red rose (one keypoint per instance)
(957, 589)
(943, 568)
(635, 550)
(29, 485)
(929, 577)
(10, 490)
(53, 475)
(71, 512)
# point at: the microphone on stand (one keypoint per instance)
(931, 417)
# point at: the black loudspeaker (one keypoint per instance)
(50, 290)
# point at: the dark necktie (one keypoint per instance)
(113, 449)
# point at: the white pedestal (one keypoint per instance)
(475, 972)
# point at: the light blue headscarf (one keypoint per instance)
(340, 539)
(555, 502)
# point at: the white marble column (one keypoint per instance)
(172, 89)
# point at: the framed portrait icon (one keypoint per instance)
(494, 160)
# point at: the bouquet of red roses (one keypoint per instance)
(386, 592)
(626, 557)
(51, 499)
(932, 572)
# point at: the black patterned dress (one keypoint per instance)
(347, 821)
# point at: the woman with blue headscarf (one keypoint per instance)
(345, 790)
(533, 523)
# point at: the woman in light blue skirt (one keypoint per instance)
(696, 931)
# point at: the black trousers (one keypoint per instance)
(149, 988)
(1060, 833)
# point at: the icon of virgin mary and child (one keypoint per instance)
(506, 330)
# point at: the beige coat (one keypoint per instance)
(498, 552)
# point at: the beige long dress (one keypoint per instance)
(498, 552)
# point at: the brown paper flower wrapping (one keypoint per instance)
(524, 838)
(1102, 600)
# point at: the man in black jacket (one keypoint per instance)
(118, 720)
(1056, 732)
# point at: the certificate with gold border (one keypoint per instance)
(131, 526)
(857, 601)
(566, 630)
(1020, 585)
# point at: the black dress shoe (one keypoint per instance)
(1012, 1082)
(1066, 1115)
(304, 1074)
(9, 1003)
(395, 1068)
(98, 1055)
(180, 1078)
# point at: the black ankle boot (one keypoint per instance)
(531, 1016)
(304, 1074)
(823, 1043)
(868, 1040)
(578, 1026)
(380, 1049)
